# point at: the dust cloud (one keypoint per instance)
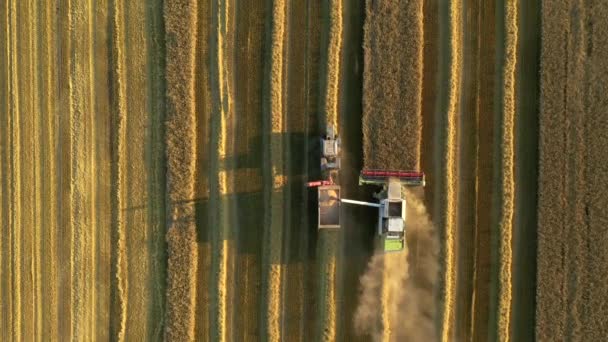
(397, 292)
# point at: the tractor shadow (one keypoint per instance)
(247, 210)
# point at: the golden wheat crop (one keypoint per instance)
(507, 180)
(572, 173)
(392, 84)
(180, 18)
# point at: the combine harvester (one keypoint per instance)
(391, 198)
(391, 203)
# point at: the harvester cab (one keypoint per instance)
(391, 203)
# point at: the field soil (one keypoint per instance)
(153, 160)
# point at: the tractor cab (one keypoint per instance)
(330, 147)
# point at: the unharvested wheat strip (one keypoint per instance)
(392, 83)
(118, 161)
(333, 61)
(48, 178)
(449, 165)
(420, 57)
(180, 19)
(330, 333)
(507, 164)
(16, 225)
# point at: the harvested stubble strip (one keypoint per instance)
(392, 84)
(180, 19)
(507, 186)
(445, 201)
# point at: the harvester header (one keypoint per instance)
(411, 178)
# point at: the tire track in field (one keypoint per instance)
(273, 175)
(180, 19)
(446, 153)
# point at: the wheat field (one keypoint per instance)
(154, 154)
